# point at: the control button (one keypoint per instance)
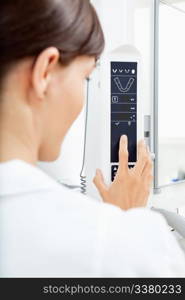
(131, 166)
(114, 171)
(114, 70)
(127, 71)
(133, 71)
(124, 108)
(115, 99)
(122, 116)
(147, 134)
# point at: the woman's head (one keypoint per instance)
(47, 49)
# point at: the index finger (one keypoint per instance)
(123, 155)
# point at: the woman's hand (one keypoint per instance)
(131, 187)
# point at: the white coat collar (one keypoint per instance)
(17, 177)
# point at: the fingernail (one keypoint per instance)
(124, 138)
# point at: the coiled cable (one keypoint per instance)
(83, 180)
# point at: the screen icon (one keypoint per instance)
(120, 86)
(115, 99)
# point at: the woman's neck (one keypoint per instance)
(13, 148)
(17, 135)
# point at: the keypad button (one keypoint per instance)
(114, 171)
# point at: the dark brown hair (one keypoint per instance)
(29, 27)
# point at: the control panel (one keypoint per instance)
(123, 110)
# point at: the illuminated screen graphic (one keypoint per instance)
(123, 107)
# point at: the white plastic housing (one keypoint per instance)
(98, 142)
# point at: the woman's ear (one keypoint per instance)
(42, 70)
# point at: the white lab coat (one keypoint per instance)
(49, 231)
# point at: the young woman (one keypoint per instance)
(47, 50)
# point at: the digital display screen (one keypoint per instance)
(123, 107)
